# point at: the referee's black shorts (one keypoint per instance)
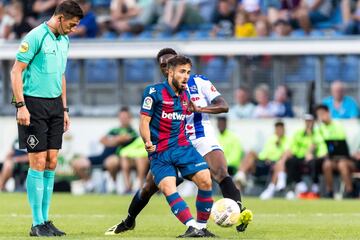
(46, 124)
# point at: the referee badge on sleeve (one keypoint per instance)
(24, 47)
(147, 104)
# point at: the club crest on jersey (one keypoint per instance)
(152, 90)
(185, 103)
(193, 89)
(147, 104)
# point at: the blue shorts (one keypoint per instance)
(185, 159)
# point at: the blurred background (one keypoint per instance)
(270, 59)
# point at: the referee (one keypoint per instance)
(39, 87)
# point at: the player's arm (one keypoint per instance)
(218, 105)
(23, 115)
(144, 129)
(64, 101)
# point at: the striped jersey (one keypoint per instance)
(202, 93)
(167, 112)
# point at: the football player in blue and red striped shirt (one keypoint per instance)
(162, 128)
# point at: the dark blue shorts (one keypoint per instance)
(185, 159)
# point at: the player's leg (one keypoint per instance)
(35, 192)
(6, 171)
(218, 168)
(328, 168)
(247, 166)
(55, 132)
(142, 166)
(346, 167)
(125, 167)
(219, 171)
(138, 203)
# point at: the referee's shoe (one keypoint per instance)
(53, 229)
(41, 230)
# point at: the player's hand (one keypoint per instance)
(193, 107)
(66, 121)
(23, 116)
(150, 147)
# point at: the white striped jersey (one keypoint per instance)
(202, 92)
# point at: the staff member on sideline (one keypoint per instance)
(39, 88)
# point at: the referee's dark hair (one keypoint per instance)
(70, 9)
(165, 51)
(178, 60)
(321, 107)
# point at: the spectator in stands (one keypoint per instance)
(242, 108)
(252, 7)
(339, 104)
(224, 19)
(20, 26)
(332, 132)
(306, 151)
(44, 9)
(231, 146)
(264, 108)
(14, 159)
(122, 11)
(113, 142)
(351, 17)
(205, 8)
(6, 22)
(283, 9)
(134, 155)
(281, 28)
(262, 28)
(312, 12)
(87, 27)
(282, 102)
(243, 27)
(264, 163)
(179, 13)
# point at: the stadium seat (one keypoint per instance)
(350, 69)
(332, 66)
(72, 72)
(219, 69)
(139, 70)
(101, 71)
(101, 3)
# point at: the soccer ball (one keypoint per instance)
(225, 212)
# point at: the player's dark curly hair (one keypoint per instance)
(69, 9)
(178, 60)
(165, 51)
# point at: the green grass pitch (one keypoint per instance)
(87, 217)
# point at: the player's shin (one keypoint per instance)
(136, 206)
(181, 210)
(49, 176)
(35, 188)
(204, 202)
(229, 190)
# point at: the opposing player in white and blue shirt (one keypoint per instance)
(206, 100)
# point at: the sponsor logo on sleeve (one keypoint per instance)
(24, 47)
(147, 104)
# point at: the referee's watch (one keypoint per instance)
(19, 104)
(66, 109)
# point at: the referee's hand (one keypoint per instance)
(23, 116)
(66, 121)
